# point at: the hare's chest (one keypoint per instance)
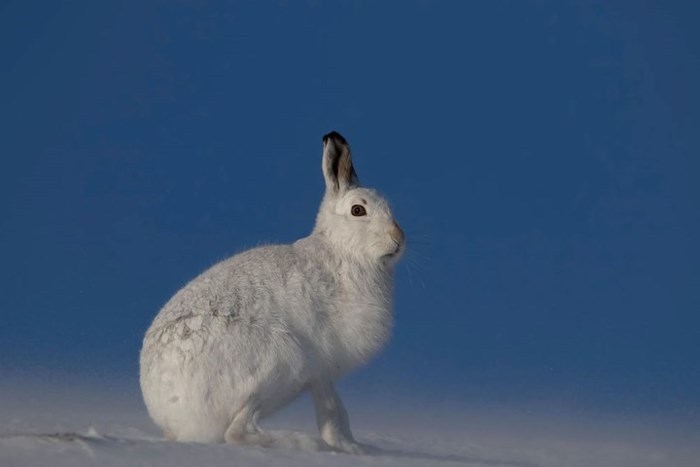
(361, 331)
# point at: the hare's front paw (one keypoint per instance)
(352, 447)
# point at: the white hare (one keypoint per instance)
(256, 330)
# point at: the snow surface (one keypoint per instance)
(42, 423)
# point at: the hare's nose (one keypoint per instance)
(396, 233)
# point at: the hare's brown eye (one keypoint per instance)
(358, 210)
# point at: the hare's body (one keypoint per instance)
(202, 358)
(252, 332)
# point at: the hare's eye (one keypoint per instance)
(358, 210)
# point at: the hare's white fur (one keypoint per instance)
(256, 330)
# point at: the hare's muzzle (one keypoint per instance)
(397, 234)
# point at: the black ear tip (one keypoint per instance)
(335, 137)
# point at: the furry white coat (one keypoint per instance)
(254, 331)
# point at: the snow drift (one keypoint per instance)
(74, 424)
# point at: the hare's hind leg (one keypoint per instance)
(244, 430)
(242, 427)
(332, 419)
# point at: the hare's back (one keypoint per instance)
(274, 282)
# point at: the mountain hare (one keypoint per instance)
(256, 330)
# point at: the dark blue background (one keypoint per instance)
(542, 157)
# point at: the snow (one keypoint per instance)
(78, 423)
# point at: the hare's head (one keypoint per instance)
(356, 220)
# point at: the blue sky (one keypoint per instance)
(541, 156)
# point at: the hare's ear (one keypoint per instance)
(337, 164)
